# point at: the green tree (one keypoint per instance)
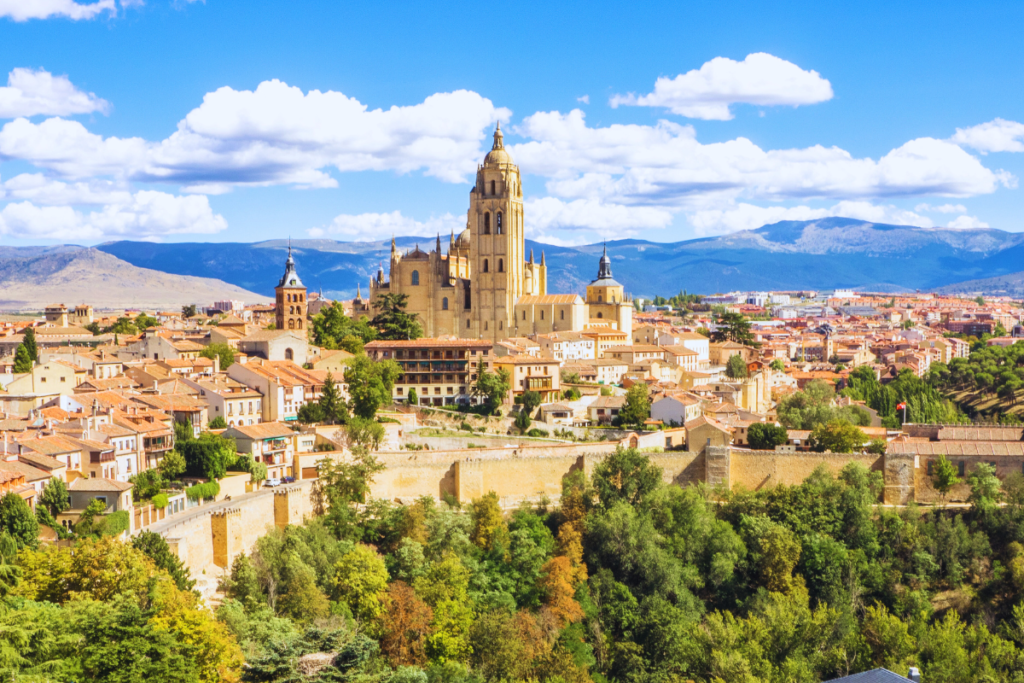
(488, 520)
(208, 456)
(22, 359)
(808, 408)
(144, 322)
(837, 436)
(392, 321)
(332, 407)
(154, 547)
(736, 368)
(218, 423)
(413, 398)
(637, 407)
(343, 485)
(370, 384)
(332, 329)
(222, 351)
(627, 475)
(173, 464)
(986, 490)
(122, 325)
(492, 386)
(766, 436)
(445, 587)
(944, 475)
(522, 421)
(368, 434)
(189, 311)
(310, 413)
(16, 519)
(531, 400)
(733, 327)
(30, 344)
(361, 582)
(55, 496)
(777, 365)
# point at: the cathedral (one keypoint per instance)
(485, 286)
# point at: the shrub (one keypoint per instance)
(206, 491)
(113, 524)
(536, 432)
(159, 501)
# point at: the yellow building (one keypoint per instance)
(485, 287)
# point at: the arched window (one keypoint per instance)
(289, 354)
(302, 297)
(501, 262)
(486, 268)
(600, 299)
(291, 324)
(497, 223)
(487, 223)
(415, 277)
(492, 188)
(298, 323)
(467, 323)
(600, 315)
(444, 304)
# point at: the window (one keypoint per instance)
(415, 277)
(561, 315)
(492, 188)
(486, 266)
(600, 299)
(467, 323)
(600, 315)
(291, 324)
(960, 467)
(542, 315)
(487, 223)
(444, 304)
(497, 223)
(298, 323)
(524, 315)
(501, 261)
(289, 354)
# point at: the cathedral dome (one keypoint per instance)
(462, 241)
(498, 155)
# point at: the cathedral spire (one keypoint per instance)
(604, 268)
(499, 142)
(531, 254)
(542, 258)
(438, 243)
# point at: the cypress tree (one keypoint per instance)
(30, 344)
(22, 359)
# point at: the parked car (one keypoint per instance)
(272, 482)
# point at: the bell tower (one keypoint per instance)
(497, 244)
(290, 302)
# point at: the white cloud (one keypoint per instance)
(706, 93)
(585, 99)
(664, 164)
(966, 223)
(274, 135)
(23, 10)
(998, 135)
(37, 188)
(944, 208)
(30, 92)
(375, 226)
(609, 220)
(146, 214)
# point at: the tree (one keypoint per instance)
(808, 408)
(986, 489)
(764, 436)
(412, 398)
(16, 519)
(531, 400)
(363, 433)
(218, 423)
(488, 521)
(332, 407)
(332, 329)
(492, 386)
(734, 327)
(310, 413)
(627, 475)
(208, 456)
(222, 351)
(522, 421)
(189, 311)
(736, 367)
(445, 587)
(370, 384)
(392, 321)
(944, 475)
(122, 325)
(22, 360)
(361, 582)
(30, 344)
(55, 496)
(172, 464)
(144, 322)
(556, 583)
(777, 365)
(406, 626)
(637, 408)
(344, 484)
(837, 436)
(155, 548)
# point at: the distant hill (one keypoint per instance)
(32, 277)
(823, 254)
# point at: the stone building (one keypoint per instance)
(485, 286)
(290, 308)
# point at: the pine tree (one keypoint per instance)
(22, 359)
(331, 405)
(30, 344)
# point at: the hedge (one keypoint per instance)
(208, 490)
(159, 501)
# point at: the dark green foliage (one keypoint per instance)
(30, 345)
(765, 436)
(492, 386)
(637, 407)
(733, 327)
(22, 359)
(218, 423)
(55, 496)
(205, 491)
(155, 548)
(16, 519)
(208, 456)
(522, 421)
(736, 368)
(530, 400)
(220, 350)
(391, 321)
(331, 407)
(332, 329)
(369, 385)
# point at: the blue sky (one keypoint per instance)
(241, 121)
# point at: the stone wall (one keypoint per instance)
(757, 469)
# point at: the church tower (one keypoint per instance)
(497, 243)
(290, 308)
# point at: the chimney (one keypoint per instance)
(915, 674)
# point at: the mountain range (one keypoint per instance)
(32, 277)
(822, 254)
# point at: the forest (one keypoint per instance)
(626, 579)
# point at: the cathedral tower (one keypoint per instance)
(497, 243)
(290, 308)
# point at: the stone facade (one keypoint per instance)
(290, 302)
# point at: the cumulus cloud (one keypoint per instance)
(609, 220)
(37, 188)
(998, 135)
(374, 226)
(23, 10)
(943, 208)
(706, 93)
(966, 223)
(145, 214)
(665, 164)
(275, 134)
(30, 92)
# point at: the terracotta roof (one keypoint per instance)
(636, 348)
(268, 335)
(958, 448)
(26, 470)
(50, 445)
(704, 420)
(608, 402)
(680, 350)
(430, 343)
(530, 300)
(41, 461)
(525, 360)
(89, 485)
(264, 430)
